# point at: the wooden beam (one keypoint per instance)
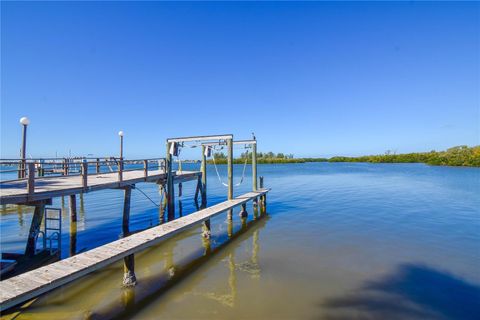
(230, 168)
(249, 142)
(200, 138)
(254, 167)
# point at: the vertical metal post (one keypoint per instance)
(24, 152)
(121, 146)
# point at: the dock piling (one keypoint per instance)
(263, 198)
(145, 169)
(73, 208)
(84, 175)
(31, 178)
(243, 212)
(170, 190)
(37, 218)
(129, 278)
(230, 168)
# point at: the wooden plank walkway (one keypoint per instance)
(31, 284)
(15, 191)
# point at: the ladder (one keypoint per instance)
(52, 232)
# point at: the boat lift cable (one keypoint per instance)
(218, 174)
(141, 191)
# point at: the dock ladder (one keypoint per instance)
(52, 232)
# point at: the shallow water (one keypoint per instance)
(340, 241)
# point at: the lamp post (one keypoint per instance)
(24, 121)
(120, 134)
(120, 166)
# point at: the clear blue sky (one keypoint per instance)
(313, 79)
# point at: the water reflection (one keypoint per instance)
(73, 238)
(159, 269)
(410, 292)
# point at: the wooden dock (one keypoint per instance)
(16, 191)
(31, 284)
(35, 188)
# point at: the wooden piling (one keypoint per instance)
(120, 170)
(203, 169)
(84, 175)
(129, 278)
(126, 211)
(73, 238)
(73, 208)
(97, 166)
(207, 232)
(254, 166)
(230, 168)
(243, 211)
(37, 218)
(145, 169)
(180, 205)
(263, 198)
(170, 190)
(65, 167)
(31, 179)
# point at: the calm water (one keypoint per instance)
(341, 241)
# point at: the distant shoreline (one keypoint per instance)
(460, 156)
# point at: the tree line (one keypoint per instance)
(456, 156)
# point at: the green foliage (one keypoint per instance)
(456, 156)
(265, 158)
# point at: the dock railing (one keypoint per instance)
(55, 167)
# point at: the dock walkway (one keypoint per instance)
(31, 284)
(16, 191)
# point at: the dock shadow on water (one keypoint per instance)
(163, 267)
(411, 292)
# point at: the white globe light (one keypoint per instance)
(24, 120)
(120, 133)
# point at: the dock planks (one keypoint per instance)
(15, 191)
(31, 284)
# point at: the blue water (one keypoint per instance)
(341, 241)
